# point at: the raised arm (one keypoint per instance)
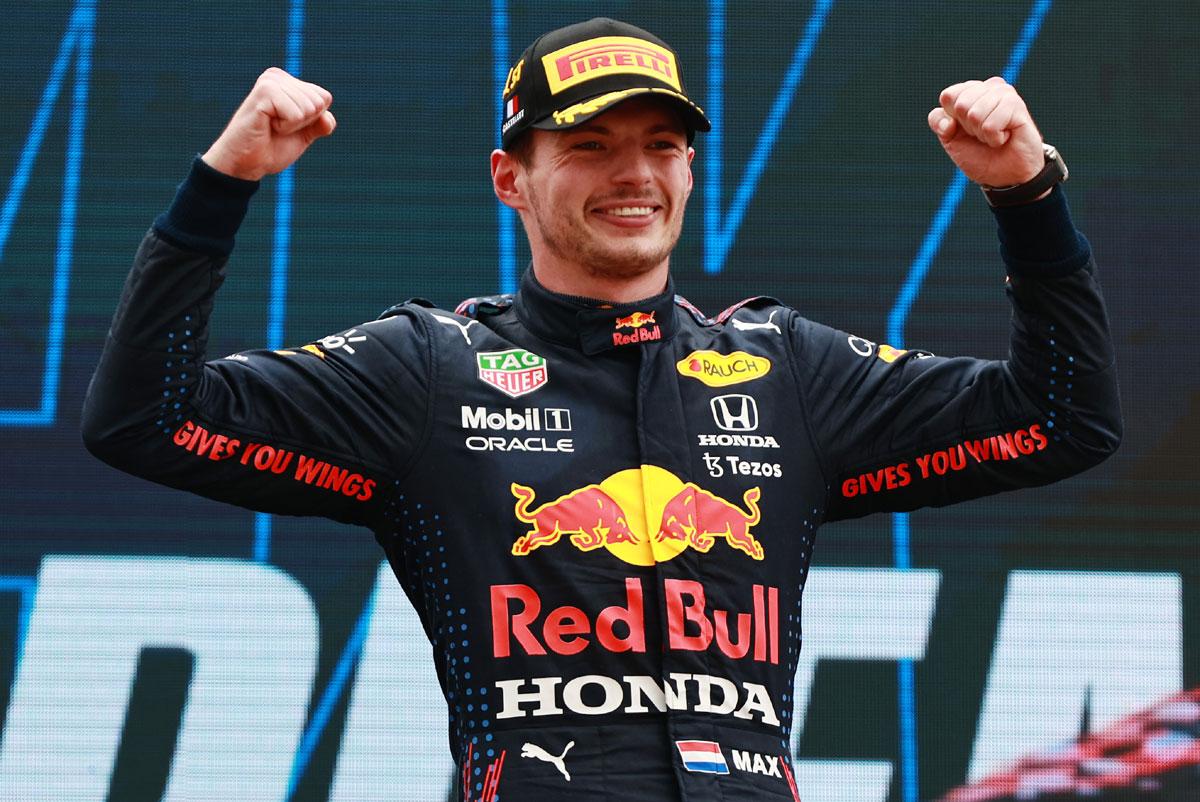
(324, 429)
(900, 429)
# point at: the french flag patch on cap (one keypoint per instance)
(702, 756)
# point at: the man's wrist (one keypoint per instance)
(1053, 172)
(1039, 238)
(216, 160)
(207, 211)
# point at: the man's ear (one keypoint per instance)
(691, 154)
(505, 171)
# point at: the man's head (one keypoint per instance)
(597, 131)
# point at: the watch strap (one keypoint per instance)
(1053, 172)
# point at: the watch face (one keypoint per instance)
(1052, 155)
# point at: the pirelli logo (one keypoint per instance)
(609, 55)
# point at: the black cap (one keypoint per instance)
(570, 75)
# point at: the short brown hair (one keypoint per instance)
(522, 149)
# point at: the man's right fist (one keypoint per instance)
(275, 124)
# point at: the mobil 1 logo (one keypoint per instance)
(536, 429)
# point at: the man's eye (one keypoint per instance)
(664, 144)
(590, 144)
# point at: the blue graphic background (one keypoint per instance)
(820, 184)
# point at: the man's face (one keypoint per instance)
(609, 195)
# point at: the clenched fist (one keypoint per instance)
(273, 127)
(986, 129)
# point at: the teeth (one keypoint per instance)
(630, 211)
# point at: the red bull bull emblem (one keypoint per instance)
(638, 321)
(641, 515)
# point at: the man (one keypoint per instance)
(601, 502)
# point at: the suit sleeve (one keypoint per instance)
(319, 430)
(897, 430)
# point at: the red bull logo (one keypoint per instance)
(642, 516)
(634, 321)
(697, 516)
(588, 515)
(638, 321)
(524, 622)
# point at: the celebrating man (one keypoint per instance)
(601, 502)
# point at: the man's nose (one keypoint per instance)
(632, 167)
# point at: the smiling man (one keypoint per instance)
(601, 502)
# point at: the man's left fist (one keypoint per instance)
(986, 129)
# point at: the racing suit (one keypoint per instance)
(603, 515)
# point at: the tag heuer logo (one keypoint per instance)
(514, 372)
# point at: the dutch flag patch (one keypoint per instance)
(702, 756)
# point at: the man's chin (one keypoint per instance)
(626, 262)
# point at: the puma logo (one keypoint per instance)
(449, 321)
(740, 326)
(535, 751)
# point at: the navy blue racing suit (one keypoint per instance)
(603, 514)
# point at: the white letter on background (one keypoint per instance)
(1062, 632)
(857, 614)
(395, 742)
(252, 633)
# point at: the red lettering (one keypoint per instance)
(596, 62)
(680, 614)
(182, 434)
(1023, 441)
(1004, 446)
(250, 449)
(905, 476)
(981, 450)
(874, 480)
(923, 464)
(352, 484)
(961, 462)
(735, 649)
(630, 615)
(281, 461)
(623, 59)
(306, 470)
(367, 489)
(531, 606)
(773, 617)
(686, 610)
(1035, 431)
(206, 441)
(850, 488)
(262, 459)
(760, 625)
(940, 466)
(335, 478)
(890, 473)
(564, 623)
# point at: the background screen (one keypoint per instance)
(996, 630)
